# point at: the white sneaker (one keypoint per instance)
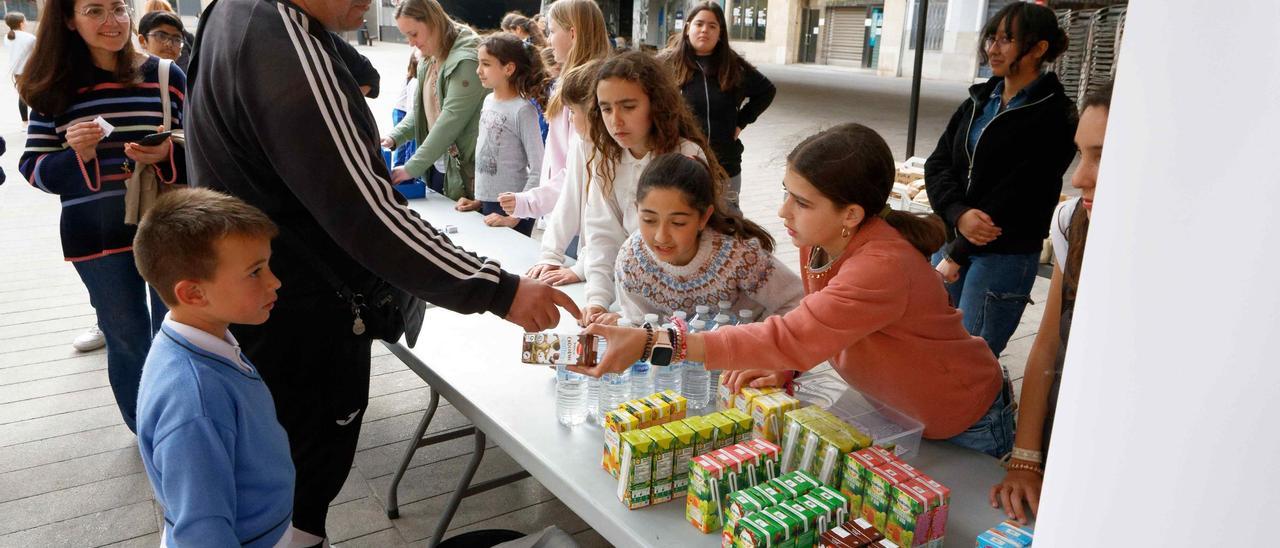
(90, 340)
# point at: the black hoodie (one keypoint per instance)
(726, 112)
(1015, 172)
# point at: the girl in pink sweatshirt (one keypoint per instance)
(873, 306)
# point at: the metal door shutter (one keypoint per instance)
(846, 32)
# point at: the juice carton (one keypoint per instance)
(794, 525)
(909, 518)
(769, 455)
(839, 537)
(885, 543)
(707, 481)
(742, 423)
(766, 413)
(938, 521)
(735, 469)
(558, 349)
(663, 406)
(857, 472)
(793, 435)
(993, 539)
(615, 423)
(679, 405)
(682, 449)
(879, 496)
(1014, 532)
(833, 501)
(752, 468)
(864, 528)
(743, 503)
(886, 454)
(742, 402)
(807, 537)
(834, 443)
(704, 440)
(759, 530)
(641, 411)
(795, 484)
(663, 463)
(724, 429)
(635, 478)
(724, 397)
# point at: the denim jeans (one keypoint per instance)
(993, 433)
(119, 296)
(992, 292)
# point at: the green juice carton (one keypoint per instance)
(879, 495)
(857, 473)
(807, 536)
(835, 503)
(615, 423)
(910, 518)
(792, 525)
(635, 477)
(707, 489)
(704, 435)
(742, 424)
(760, 530)
(682, 449)
(725, 429)
(663, 463)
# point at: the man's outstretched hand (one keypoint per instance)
(535, 307)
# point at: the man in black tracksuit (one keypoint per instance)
(276, 118)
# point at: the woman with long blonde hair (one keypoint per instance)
(578, 36)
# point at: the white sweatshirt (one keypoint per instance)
(565, 221)
(604, 231)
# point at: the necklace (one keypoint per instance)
(816, 269)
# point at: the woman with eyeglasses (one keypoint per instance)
(93, 98)
(997, 172)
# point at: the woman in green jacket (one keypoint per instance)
(445, 119)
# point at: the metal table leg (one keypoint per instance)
(393, 499)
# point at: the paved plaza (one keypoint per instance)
(70, 474)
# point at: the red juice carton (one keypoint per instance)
(879, 495)
(707, 489)
(886, 454)
(938, 521)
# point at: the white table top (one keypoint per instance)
(474, 362)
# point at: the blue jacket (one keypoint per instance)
(215, 454)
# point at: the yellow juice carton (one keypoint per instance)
(615, 423)
(725, 430)
(704, 439)
(742, 423)
(742, 402)
(663, 406)
(679, 405)
(682, 449)
(766, 414)
(724, 397)
(642, 412)
(635, 478)
(663, 463)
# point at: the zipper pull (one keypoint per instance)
(357, 326)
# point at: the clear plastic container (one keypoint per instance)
(571, 397)
(697, 380)
(887, 426)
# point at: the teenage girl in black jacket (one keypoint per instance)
(997, 172)
(724, 92)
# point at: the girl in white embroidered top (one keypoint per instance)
(691, 249)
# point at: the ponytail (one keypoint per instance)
(692, 177)
(925, 232)
(14, 20)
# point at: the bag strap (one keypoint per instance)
(164, 93)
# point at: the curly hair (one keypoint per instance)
(670, 118)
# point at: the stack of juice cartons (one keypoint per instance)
(816, 441)
(716, 474)
(855, 533)
(791, 510)
(907, 506)
(638, 414)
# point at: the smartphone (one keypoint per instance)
(155, 138)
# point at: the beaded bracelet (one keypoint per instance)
(681, 343)
(648, 342)
(1025, 466)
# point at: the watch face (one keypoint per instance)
(661, 355)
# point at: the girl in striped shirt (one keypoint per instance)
(85, 69)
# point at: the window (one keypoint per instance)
(748, 18)
(934, 26)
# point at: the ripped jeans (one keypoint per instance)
(992, 292)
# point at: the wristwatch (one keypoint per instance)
(662, 352)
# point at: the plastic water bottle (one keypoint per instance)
(726, 308)
(680, 314)
(745, 316)
(697, 381)
(639, 375)
(722, 319)
(668, 377)
(593, 397)
(571, 397)
(703, 312)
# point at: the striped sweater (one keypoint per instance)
(92, 208)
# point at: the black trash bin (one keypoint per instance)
(362, 35)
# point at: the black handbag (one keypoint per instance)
(379, 310)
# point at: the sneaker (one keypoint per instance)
(90, 340)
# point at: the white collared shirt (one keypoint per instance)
(226, 347)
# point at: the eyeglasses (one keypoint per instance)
(1002, 41)
(165, 38)
(98, 14)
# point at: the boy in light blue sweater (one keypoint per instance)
(215, 454)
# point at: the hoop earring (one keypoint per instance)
(844, 232)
